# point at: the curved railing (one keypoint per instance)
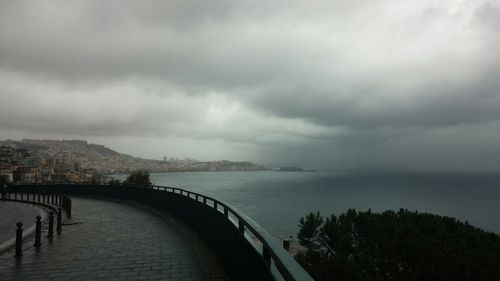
(271, 252)
(246, 249)
(53, 201)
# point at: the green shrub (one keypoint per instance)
(399, 245)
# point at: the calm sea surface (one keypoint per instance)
(277, 200)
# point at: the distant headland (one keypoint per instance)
(293, 169)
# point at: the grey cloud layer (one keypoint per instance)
(354, 79)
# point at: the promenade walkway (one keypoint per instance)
(107, 241)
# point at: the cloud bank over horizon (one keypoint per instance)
(357, 84)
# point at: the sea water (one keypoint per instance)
(277, 200)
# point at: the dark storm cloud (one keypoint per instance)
(341, 83)
(476, 102)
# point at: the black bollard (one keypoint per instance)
(51, 225)
(38, 232)
(19, 240)
(59, 220)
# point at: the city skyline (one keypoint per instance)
(356, 85)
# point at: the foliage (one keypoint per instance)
(399, 245)
(138, 177)
(115, 182)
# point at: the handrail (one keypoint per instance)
(271, 253)
(52, 201)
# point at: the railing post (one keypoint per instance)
(226, 212)
(59, 220)
(38, 231)
(241, 226)
(19, 240)
(205, 200)
(267, 257)
(38, 196)
(51, 225)
(215, 205)
(15, 196)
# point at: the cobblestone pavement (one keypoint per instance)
(107, 241)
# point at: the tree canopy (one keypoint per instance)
(138, 177)
(400, 245)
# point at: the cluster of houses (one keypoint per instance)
(18, 165)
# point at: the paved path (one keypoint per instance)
(10, 214)
(113, 242)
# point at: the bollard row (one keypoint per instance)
(38, 231)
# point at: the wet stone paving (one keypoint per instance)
(107, 241)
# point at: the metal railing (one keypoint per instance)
(271, 252)
(192, 206)
(53, 201)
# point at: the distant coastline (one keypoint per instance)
(54, 161)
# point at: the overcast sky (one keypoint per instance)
(354, 84)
